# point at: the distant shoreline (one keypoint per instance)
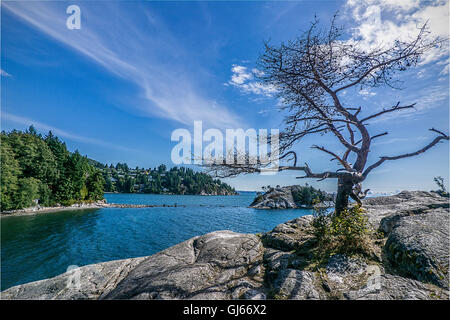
(98, 205)
(37, 209)
(78, 206)
(177, 194)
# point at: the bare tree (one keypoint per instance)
(310, 73)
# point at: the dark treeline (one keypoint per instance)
(160, 180)
(38, 169)
(307, 195)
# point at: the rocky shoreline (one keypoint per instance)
(95, 205)
(79, 206)
(410, 261)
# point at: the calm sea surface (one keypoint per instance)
(43, 245)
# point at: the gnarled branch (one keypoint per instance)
(325, 175)
(442, 136)
(394, 108)
(335, 156)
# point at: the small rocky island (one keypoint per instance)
(290, 197)
(410, 260)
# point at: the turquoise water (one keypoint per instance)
(43, 245)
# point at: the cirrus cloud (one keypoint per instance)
(152, 58)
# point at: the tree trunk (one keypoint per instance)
(344, 190)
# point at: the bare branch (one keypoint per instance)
(290, 153)
(346, 154)
(442, 136)
(326, 175)
(437, 131)
(335, 156)
(352, 134)
(379, 135)
(394, 108)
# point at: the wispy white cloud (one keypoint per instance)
(244, 79)
(379, 23)
(277, 13)
(375, 24)
(446, 69)
(240, 75)
(366, 92)
(148, 57)
(61, 133)
(398, 140)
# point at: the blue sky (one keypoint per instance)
(135, 71)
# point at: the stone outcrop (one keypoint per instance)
(413, 263)
(282, 198)
(417, 228)
(290, 235)
(88, 282)
(418, 246)
(384, 212)
(278, 198)
(218, 265)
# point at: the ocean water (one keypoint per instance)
(41, 246)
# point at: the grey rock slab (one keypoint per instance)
(87, 282)
(383, 212)
(290, 235)
(418, 246)
(215, 263)
(340, 267)
(392, 287)
(211, 266)
(296, 285)
(276, 259)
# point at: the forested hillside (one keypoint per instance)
(177, 180)
(38, 169)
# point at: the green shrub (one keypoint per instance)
(321, 222)
(351, 227)
(344, 233)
